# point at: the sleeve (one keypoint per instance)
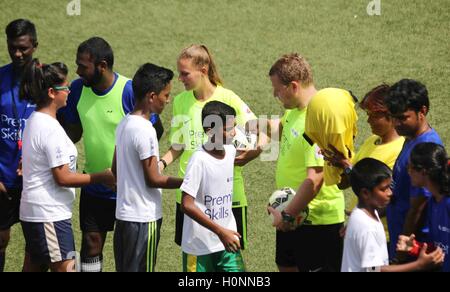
(243, 112)
(145, 143)
(313, 158)
(154, 118)
(369, 248)
(128, 97)
(56, 149)
(70, 112)
(192, 179)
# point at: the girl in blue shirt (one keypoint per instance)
(429, 168)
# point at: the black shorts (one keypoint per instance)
(312, 248)
(240, 214)
(9, 208)
(136, 245)
(96, 215)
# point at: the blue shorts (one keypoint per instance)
(50, 242)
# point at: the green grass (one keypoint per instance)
(410, 39)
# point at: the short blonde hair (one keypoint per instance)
(292, 67)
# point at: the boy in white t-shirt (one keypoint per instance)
(210, 241)
(139, 206)
(365, 246)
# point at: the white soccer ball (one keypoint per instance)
(244, 140)
(280, 199)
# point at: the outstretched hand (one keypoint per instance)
(245, 156)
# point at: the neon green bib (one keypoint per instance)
(296, 155)
(187, 130)
(99, 117)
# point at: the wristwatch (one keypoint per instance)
(348, 170)
(163, 162)
(287, 217)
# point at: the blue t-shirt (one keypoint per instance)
(403, 190)
(438, 219)
(71, 116)
(12, 122)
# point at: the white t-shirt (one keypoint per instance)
(210, 182)
(136, 141)
(45, 146)
(365, 246)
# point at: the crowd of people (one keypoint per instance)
(400, 174)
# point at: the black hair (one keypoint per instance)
(38, 78)
(407, 94)
(150, 78)
(21, 27)
(367, 174)
(216, 109)
(433, 159)
(99, 50)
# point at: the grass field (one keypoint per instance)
(346, 47)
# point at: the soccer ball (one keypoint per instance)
(244, 140)
(280, 199)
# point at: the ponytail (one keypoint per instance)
(446, 182)
(38, 78)
(200, 56)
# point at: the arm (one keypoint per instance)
(414, 215)
(424, 262)
(65, 178)
(3, 189)
(229, 238)
(270, 130)
(114, 163)
(154, 179)
(171, 155)
(307, 191)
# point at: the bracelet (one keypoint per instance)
(164, 163)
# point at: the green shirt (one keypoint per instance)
(99, 117)
(187, 130)
(296, 155)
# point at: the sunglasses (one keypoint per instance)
(62, 88)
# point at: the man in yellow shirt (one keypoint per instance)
(316, 245)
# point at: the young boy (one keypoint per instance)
(139, 208)
(210, 241)
(365, 246)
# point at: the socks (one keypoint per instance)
(92, 265)
(2, 262)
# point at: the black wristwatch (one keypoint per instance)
(163, 162)
(287, 217)
(348, 170)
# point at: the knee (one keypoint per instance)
(92, 244)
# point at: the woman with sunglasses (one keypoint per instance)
(49, 173)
